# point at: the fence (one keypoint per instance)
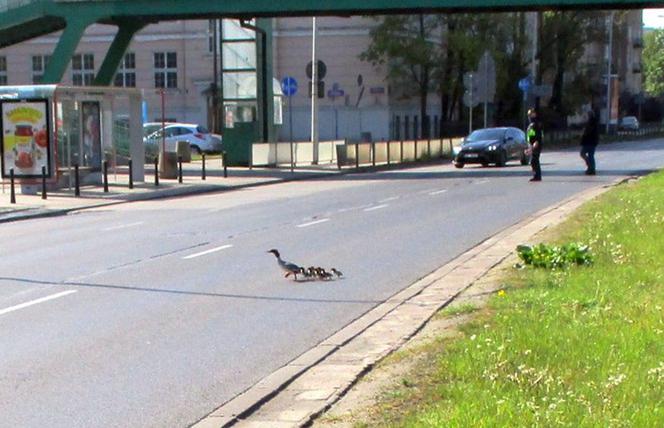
(275, 154)
(393, 152)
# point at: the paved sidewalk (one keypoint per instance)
(63, 201)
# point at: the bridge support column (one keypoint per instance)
(116, 51)
(64, 50)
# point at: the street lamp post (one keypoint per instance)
(608, 73)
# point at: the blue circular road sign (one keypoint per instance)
(525, 83)
(289, 86)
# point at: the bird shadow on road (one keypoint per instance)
(176, 292)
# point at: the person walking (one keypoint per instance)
(534, 136)
(589, 141)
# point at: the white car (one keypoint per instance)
(630, 123)
(199, 138)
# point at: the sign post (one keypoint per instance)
(289, 88)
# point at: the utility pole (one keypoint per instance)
(608, 73)
(314, 93)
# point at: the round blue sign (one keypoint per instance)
(289, 86)
(525, 83)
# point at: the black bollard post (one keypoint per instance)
(131, 174)
(12, 192)
(388, 153)
(401, 151)
(77, 187)
(179, 169)
(373, 154)
(156, 171)
(203, 167)
(105, 176)
(43, 182)
(223, 159)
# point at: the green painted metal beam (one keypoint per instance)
(116, 51)
(64, 50)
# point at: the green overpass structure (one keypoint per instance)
(21, 20)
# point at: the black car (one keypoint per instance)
(493, 146)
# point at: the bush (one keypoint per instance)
(553, 257)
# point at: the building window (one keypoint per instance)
(39, 63)
(83, 69)
(126, 75)
(165, 70)
(3, 70)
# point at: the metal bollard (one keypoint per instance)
(77, 186)
(415, 150)
(203, 167)
(105, 176)
(401, 151)
(373, 154)
(429, 148)
(357, 155)
(12, 195)
(43, 182)
(131, 174)
(223, 161)
(156, 171)
(179, 169)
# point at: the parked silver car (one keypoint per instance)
(199, 138)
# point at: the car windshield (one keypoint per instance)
(150, 129)
(202, 129)
(486, 134)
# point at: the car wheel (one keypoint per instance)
(196, 150)
(502, 159)
(458, 165)
(524, 159)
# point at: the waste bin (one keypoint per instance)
(183, 150)
(168, 165)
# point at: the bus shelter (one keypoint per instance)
(50, 129)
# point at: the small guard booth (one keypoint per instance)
(58, 127)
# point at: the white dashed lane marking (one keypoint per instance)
(377, 207)
(36, 301)
(311, 223)
(438, 192)
(203, 253)
(123, 226)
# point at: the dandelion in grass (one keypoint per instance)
(501, 293)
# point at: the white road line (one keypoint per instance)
(438, 192)
(377, 207)
(123, 226)
(211, 250)
(482, 182)
(311, 223)
(36, 301)
(393, 198)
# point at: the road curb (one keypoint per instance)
(302, 390)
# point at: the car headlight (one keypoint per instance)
(492, 147)
(456, 150)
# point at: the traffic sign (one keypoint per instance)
(468, 102)
(321, 70)
(486, 74)
(289, 86)
(336, 91)
(525, 83)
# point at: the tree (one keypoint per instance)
(405, 45)
(653, 62)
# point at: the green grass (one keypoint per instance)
(575, 347)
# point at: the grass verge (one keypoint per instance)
(581, 347)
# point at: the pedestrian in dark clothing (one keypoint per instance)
(534, 135)
(589, 141)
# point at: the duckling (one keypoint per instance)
(337, 272)
(312, 272)
(288, 267)
(323, 274)
(306, 272)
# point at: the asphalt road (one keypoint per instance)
(154, 313)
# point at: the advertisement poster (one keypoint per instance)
(91, 121)
(25, 138)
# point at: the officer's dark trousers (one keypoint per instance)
(535, 164)
(588, 155)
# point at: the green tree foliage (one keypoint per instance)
(653, 62)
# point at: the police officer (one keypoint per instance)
(534, 135)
